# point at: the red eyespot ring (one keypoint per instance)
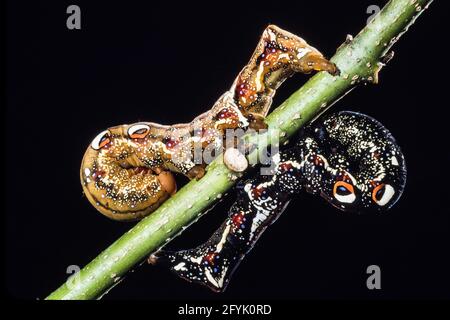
(101, 140)
(138, 131)
(344, 192)
(378, 192)
(342, 188)
(382, 194)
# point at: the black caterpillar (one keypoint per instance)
(347, 158)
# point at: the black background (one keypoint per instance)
(167, 62)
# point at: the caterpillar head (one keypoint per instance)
(355, 163)
(306, 57)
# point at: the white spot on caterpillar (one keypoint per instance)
(223, 239)
(283, 55)
(272, 35)
(394, 161)
(260, 217)
(302, 52)
(259, 76)
(180, 266)
(211, 279)
(276, 158)
(196, 260)
(221, 279)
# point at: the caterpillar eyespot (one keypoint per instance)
(138, 131)
(382, 194)
(101, 140)
(344, 192)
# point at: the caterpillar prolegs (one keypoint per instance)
(347, 158)
(126, 171)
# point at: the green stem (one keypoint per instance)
(359, 60)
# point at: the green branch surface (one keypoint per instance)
(359, 60)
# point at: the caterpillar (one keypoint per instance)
(126, 172)
(347, 158)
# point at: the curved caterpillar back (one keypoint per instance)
(353, 161)
(347, 158)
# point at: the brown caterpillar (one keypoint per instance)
(126, 171)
